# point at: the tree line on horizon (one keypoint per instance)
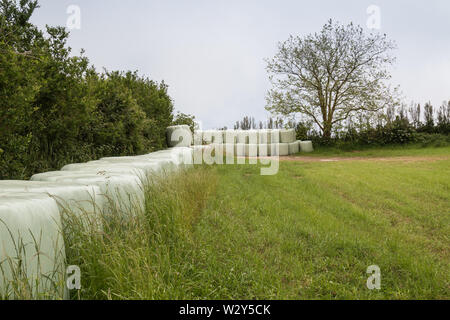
(392, 125)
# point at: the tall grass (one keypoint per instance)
(140, 256)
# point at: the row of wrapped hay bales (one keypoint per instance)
(32, 214)
(264, 142)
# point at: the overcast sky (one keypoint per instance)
(211, 53)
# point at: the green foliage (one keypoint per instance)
(55, 108)
(186, 119)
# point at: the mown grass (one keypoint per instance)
(309, 232)
(377, 151)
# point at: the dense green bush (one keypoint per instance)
(56, 109)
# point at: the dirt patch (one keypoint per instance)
(387, 159)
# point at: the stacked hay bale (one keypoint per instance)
(253, 143)
(179, 136)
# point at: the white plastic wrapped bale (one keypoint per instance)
(242, 136)
(279, 149)
(108, 168)
(230, 136)
(253, 136)
(263, 150)
(294, 147)
(178, 155)
(198, 138)
(240, 150)
(263, 137)
(123, 192)
(287, 136)
(176, 159)
(229, 149)
(163, 160)
(32, 253)
(217, 136)
(212, 136)
(179, 136)
(198, 150)
(306, 146)
(274, 135)
(251, 150)
(151, 167)
(80, 200)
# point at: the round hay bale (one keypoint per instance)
(287, 136)
(179, 136)
(306, 146)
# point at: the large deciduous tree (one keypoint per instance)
(331, 75)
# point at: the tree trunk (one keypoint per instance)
(326, 132)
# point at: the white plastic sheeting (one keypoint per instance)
(230, 136)
(294, 147)
(149, 166)
(77, 199)
(31, 246)
(212, 136)
(105, 168)
(278, 141)
(123, 192)
(242, 136)
(287, 136)
(264, 150)
(306, 146)
(279, 149)
(179, 136)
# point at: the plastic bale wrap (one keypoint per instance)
(264, 150)
(229, 149)
(240, 150)
(251, 150)
(179, 136)
(274, 136)
(253, 136)
(207, 137)
(107, 168)
(287, 136)
(306, 146)
(213, 136)
(294, 147)
(198, 138)
(217, 136)
(164, 161)
(150, 167)
(32, 253)
(124, 193)
(242, 136)
(230, 136)
(263, 137)
(279, 149)
(72, 199)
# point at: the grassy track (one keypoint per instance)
(308, 232)
(388, 151)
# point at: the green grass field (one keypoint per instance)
(309, 232)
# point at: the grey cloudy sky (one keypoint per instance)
(211, 53)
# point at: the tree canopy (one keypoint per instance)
(331, 75)
(56, 109)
